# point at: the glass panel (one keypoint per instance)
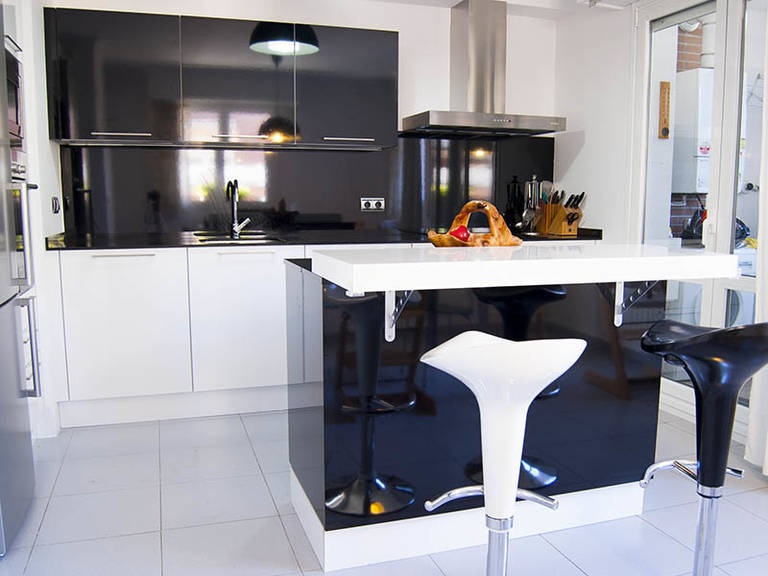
(680, 130)
(683, 305)
(747, 192)
(741, 311)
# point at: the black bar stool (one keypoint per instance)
(719, 362)
(369, 493)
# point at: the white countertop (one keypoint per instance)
(430, 268)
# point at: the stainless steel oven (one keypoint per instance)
(14, 82)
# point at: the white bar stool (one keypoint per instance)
(505, 377)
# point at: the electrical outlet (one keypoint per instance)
(372, 204)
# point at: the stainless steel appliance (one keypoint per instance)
(479, 81)
(17, 477)
(14, 81)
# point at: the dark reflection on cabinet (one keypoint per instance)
(115, 72)
(161, 190)
(599, 431)
(230, 91)
(348, 89)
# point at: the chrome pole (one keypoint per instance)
(704, 553)
(498, 545)
(498, 550)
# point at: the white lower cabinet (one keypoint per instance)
(238, 315)
(126, 320)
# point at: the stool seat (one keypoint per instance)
(505, 377)
(719, 362)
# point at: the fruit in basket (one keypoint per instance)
(459, 234)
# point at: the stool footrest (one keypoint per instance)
(455, 494)
(684, 467)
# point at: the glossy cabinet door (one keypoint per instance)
(346, 92)
(230, 91)
(238, 315)
(115, 74)
(126, 319)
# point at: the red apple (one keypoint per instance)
(460, 232)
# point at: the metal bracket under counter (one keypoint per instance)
(393, 308)
(621, 304)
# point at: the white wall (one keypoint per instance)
(531, 65)
(593, 89)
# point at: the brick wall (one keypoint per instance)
(688, 49)
(683, 207)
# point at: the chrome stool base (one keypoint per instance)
(371, 496)
(534, 472)
(704, 552)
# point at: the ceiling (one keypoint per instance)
(540, 8)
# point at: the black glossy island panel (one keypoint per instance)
(385, 416)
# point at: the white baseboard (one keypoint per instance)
(679, 400)
(186, 405)
(350, 547)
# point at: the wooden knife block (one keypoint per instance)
(552, 220)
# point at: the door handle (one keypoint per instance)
(124, 134)
(347, 139)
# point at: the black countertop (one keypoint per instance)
(271, 238)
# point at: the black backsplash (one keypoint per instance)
(128, 190)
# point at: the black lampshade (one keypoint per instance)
(277, 129)
(277, 39)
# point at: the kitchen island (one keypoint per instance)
(415, 431)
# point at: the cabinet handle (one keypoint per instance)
(257, 136)
(345, 139)
(124, 134)
(223, 253)
(128, 255)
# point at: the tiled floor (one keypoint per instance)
(210, 497)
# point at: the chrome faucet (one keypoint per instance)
(234, 195)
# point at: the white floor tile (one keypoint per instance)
(101, 515)
(757, 566)
(113, 440)
(716, 572)
(421, 566)
(28, 531)
(80, 476)
(740, 534)
(205, 463)
(629, 547)
(45, 477)
(13, 563)
(753, 477)
(672, 442)
(308, 562)
(266, 426)
(198, 432)
(755, 501)
(532, 556)
(279, 484)
(272, 456)
(247, 548)
(214, 501)
(52, 449)
(669, 488)
(137, 555)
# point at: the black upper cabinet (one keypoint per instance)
(231, 93)
(115, 75)
(127, 77)
(346, 92)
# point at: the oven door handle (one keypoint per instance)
(24, 281)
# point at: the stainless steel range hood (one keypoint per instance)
(478, 81)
